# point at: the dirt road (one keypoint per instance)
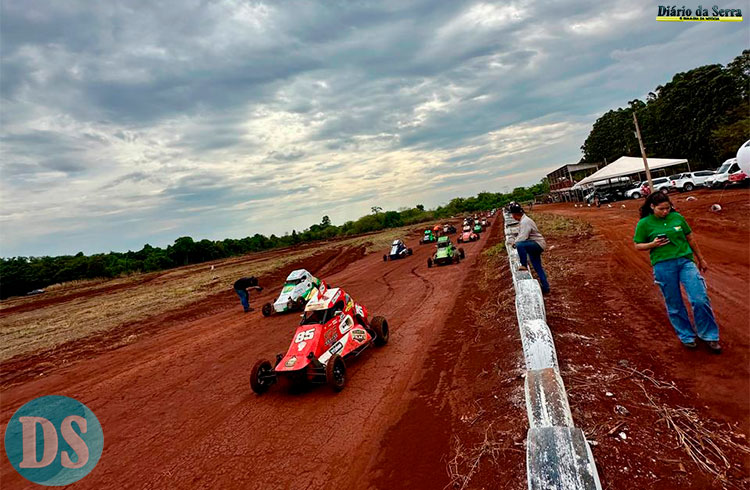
(177, 411)
(721, 383)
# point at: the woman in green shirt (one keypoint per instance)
(666, 235)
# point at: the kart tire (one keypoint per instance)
(385, 258)
(456, 258)
(267, 309)
(461, 253)
(636, 195)
(380, 326)
(687, 187)
(336, 373)
(409, 252)
(259, 381)
(300, 304)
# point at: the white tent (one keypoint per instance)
(627, 166)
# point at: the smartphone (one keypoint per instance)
(662, 236)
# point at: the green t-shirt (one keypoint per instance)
(676, 229)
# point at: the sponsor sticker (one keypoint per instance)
(291, 361)
(336, 348)
(359, 335)
(301, 345)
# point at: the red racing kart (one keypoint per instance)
(333, 328)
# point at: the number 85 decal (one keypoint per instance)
(306, 335)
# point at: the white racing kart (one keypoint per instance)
(298, 288)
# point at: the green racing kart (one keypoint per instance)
(429, 237)
(446, 253)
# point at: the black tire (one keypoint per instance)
(267, 309)
(687, 187)
(259, 376)
(456, 258)
(636, 195)
(385, 258)
(300, 304)
(409, 251)
(336, 373)
(421, 242)
(429, 262)
(382, 333)
(461, 253)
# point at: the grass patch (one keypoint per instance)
(554, 224)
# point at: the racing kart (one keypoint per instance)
(333, 328)
(478, 228)
(295, 293)
(399, 250)
(485, 223)
(429, 237)
(448, 229)
(446, 253)
(467, 236)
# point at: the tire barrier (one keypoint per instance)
(557, 454)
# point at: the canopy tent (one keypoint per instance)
(627, 166)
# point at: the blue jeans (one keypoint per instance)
(532, 250)
(243, 298)
(668, 275)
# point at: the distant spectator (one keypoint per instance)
(530, 245)
(241, 287)
(668, 238)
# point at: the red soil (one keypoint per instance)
(176, 407)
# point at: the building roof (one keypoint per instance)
(627, 166)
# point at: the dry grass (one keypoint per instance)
(553, 224)
(701, 439)
(50, 326)
(466, 461)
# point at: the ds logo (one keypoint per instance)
(54, 440)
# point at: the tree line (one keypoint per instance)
(701, 115)
(19, 275)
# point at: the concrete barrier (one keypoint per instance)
(538, 346)
(559, 458)
(557, 454)
(546, 401)
(529, 301)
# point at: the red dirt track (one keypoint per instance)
(177, 410)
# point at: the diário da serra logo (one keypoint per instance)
(54, 440)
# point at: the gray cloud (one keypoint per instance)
(229, 117)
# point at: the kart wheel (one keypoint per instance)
(461, 253)
(429, 263)
(267, 309)
(380, 326)
(300, 304)
(409, 252)
(336, 372)
(456, 258)
(385, 258)
(421, 242)
(261, 376)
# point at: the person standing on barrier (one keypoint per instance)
(665, 234)
(530, 244)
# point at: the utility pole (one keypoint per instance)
(643, 154)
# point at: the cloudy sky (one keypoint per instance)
(132, 122)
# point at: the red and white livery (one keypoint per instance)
(333, 328)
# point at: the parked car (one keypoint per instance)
(635, 191)
(687, 181)
(721, 176)
(660, 184)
